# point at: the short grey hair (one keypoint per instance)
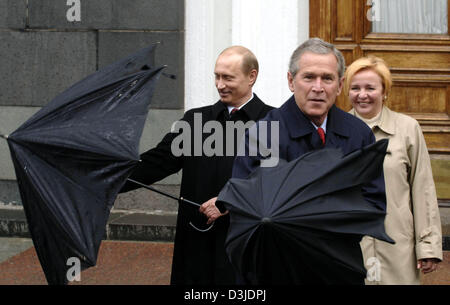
(316, 46)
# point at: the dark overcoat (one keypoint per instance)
(298, 136)
(199, 257)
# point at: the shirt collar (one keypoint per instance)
(239, 108)
(323, 126)
(252, 108)
(300, 125)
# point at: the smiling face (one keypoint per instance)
(366, 93)
(316, 85)
(234, 86)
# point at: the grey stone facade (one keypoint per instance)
(42, 53)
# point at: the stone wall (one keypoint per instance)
(48, 45)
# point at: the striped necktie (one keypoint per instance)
(321, 134)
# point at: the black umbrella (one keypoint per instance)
(73, 156)
(292, 223)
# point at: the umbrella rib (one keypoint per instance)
(284, 221)
(243, 197)
(108, 90)
(38, 192)
(78, 148)
(56, 112)
(282, 182)
(292, 168)
(50, 165)
(297, 192)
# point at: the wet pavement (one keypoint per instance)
(122, 263)
(118, 263)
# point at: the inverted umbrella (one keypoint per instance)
(72, 157)
(293, 223)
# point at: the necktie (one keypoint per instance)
(233, 111)
(321, 134)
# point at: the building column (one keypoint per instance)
(271, 29)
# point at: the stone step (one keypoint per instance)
(122, 225)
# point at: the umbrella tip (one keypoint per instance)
(266, 220)
(4, 136)
(171, 76)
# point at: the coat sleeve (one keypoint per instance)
(427, 222)
(156, 163)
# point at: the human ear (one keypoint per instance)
(290, 81)
(341, 85)
(252, 76)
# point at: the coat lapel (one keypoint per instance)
(335, 129)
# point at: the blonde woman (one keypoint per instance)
(412, 219)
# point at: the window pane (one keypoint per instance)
(409, 16)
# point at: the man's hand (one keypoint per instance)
(428, 264)
(210, 210)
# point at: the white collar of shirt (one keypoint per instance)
(371, 122)
(231, 107)
(324, 125)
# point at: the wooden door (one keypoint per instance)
(420, 66)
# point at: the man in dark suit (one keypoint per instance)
(315, 77)
(199, 257)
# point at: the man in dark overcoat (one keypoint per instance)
(315, 77)
(199, 257)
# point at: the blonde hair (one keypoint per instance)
(373, 63)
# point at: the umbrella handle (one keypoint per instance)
(181, 199)
(200, 230)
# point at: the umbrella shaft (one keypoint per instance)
(163, 193)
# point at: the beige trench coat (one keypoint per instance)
(412, 219)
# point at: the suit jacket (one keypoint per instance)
(198, 258)
(298, 136)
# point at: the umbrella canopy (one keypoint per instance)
(72, 157)
(291, 224)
